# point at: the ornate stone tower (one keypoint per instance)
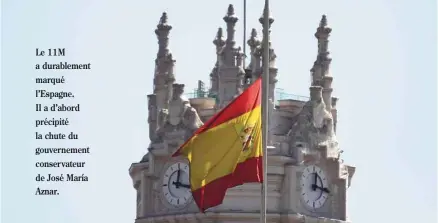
(164, 76)
(230, 70)
(307, 179)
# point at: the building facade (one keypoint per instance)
(307, 179)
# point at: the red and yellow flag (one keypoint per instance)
(227, 150)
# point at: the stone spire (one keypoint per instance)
(322, 34)
(321, 77)
(272, 68)
(323, 60)
(230, 68)
(219, 42)
(162, 32)
(164, 65)
(272, 75)
(271, 51)
(231, 20)
(262, 21)
(255, 62)
(230, 50)
(321, 68)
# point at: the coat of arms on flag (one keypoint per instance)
(246, 134)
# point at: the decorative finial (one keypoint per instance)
(253, 33)
(162, 31)
(219, 33)
(219, 40)
(262, 20)
(323, 59)
(163, 19)
(323, 22)
(230, 17)
(230, 11)
(231, 20)
(323, 31)
(162, 24)
(253, 40)
(272, 55)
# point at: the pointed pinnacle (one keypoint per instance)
(163, 19)
(253, 33)
(218, 41)
(219, 33)
(253, 40)
(230, 17)
(162, 24)
(323, 31)
(262, 20)
(230, 11)
(323, 22)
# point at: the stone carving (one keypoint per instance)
(191, 121)
(180, 116)
(314, 127)
(161, 123)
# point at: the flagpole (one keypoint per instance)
(265, 109)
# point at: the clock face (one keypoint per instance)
(314, 187)
(176, 185)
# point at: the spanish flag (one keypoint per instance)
(227, 150)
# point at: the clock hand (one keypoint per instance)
(315, 184)
(326, 190)
(184, 185)
(177, 179)
(178, 184)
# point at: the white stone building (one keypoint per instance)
(307, 180)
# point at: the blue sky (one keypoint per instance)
(384, 68)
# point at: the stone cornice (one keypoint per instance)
(235, 216)
(135, 171)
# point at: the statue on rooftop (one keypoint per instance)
(314, 126)
(180, 116)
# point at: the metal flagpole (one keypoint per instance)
(265, 108)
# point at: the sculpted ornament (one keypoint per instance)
(161, 123)
(314, 126)
(177, 105)
(179, 116)
(191, 121)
